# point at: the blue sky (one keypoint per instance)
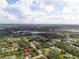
(12, 1)
(39, 11)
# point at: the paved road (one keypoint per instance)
(34, 47)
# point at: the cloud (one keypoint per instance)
(40, 11)
(3, 4)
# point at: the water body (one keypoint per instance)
(74, 28)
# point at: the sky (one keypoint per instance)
(39, 11)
